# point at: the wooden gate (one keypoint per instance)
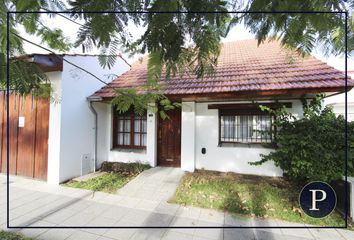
(29, 119)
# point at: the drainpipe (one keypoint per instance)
(91, 100)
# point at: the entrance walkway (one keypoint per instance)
(35, 203)
(155, 184)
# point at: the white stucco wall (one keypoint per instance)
(338, 103)
(54, 128)
(233, 158)
(339, 109)
(151, 141)
(199, 130)
(71, 120)
(103, 123)
(188, 136)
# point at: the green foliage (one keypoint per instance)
(302, 31)
(118, 175)
(126, 169)
(247, 195)
(178, 43)
(109, 183)
(311, 148)
(12, 236)
(143, 100)
(27, 77)
(188, 43)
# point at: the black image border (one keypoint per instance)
(173, 12)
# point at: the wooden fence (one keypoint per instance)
(28, 126)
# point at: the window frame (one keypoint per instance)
(132, 117)
(245, 112)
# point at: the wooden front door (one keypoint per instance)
(169, 140)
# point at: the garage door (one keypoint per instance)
(29, 117)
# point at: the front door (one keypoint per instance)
(169, 140)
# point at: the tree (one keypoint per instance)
(190, 41)
(27, 77)
(180, 39)
(310, 148)
(303, 31)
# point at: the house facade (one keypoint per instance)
(53, 140)
(220, 125)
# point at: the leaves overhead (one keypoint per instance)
(27, 77)
(303, 31)
(180, 39)
(170, 34)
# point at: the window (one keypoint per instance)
(246, 122)
(129, 130)
(245, 128)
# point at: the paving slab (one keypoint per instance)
(36, 203)
(173, 235)
(56, 234)
(157, 184)
(119, 234)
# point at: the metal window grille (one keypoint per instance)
(246, 128)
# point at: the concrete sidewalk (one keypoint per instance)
(156, 184)
(35, 203)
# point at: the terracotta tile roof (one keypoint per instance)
(243, 66)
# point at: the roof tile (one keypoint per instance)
(242, 66)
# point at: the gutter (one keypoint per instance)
(91, 100)
(334, 94)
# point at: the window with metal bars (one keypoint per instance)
(130, 130)
(245, 128)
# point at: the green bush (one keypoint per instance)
(311, 148)
(12, 236)
(127, 169)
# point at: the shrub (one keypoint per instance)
(124, 168)
(311, 148)
(12, 236)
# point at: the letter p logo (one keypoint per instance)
(317, 199)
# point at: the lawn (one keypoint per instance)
(248, 195)
(12, 236)
(117, 176)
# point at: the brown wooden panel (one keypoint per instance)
(2, 115)
(26, 137)
(248, 106)
(169, 140)
(13, 112)
(28, 144)
(251, 95)
(41, 146)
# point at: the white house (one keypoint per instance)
(64, 148)
(215, 129)
(337, 102)
(219, 126)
